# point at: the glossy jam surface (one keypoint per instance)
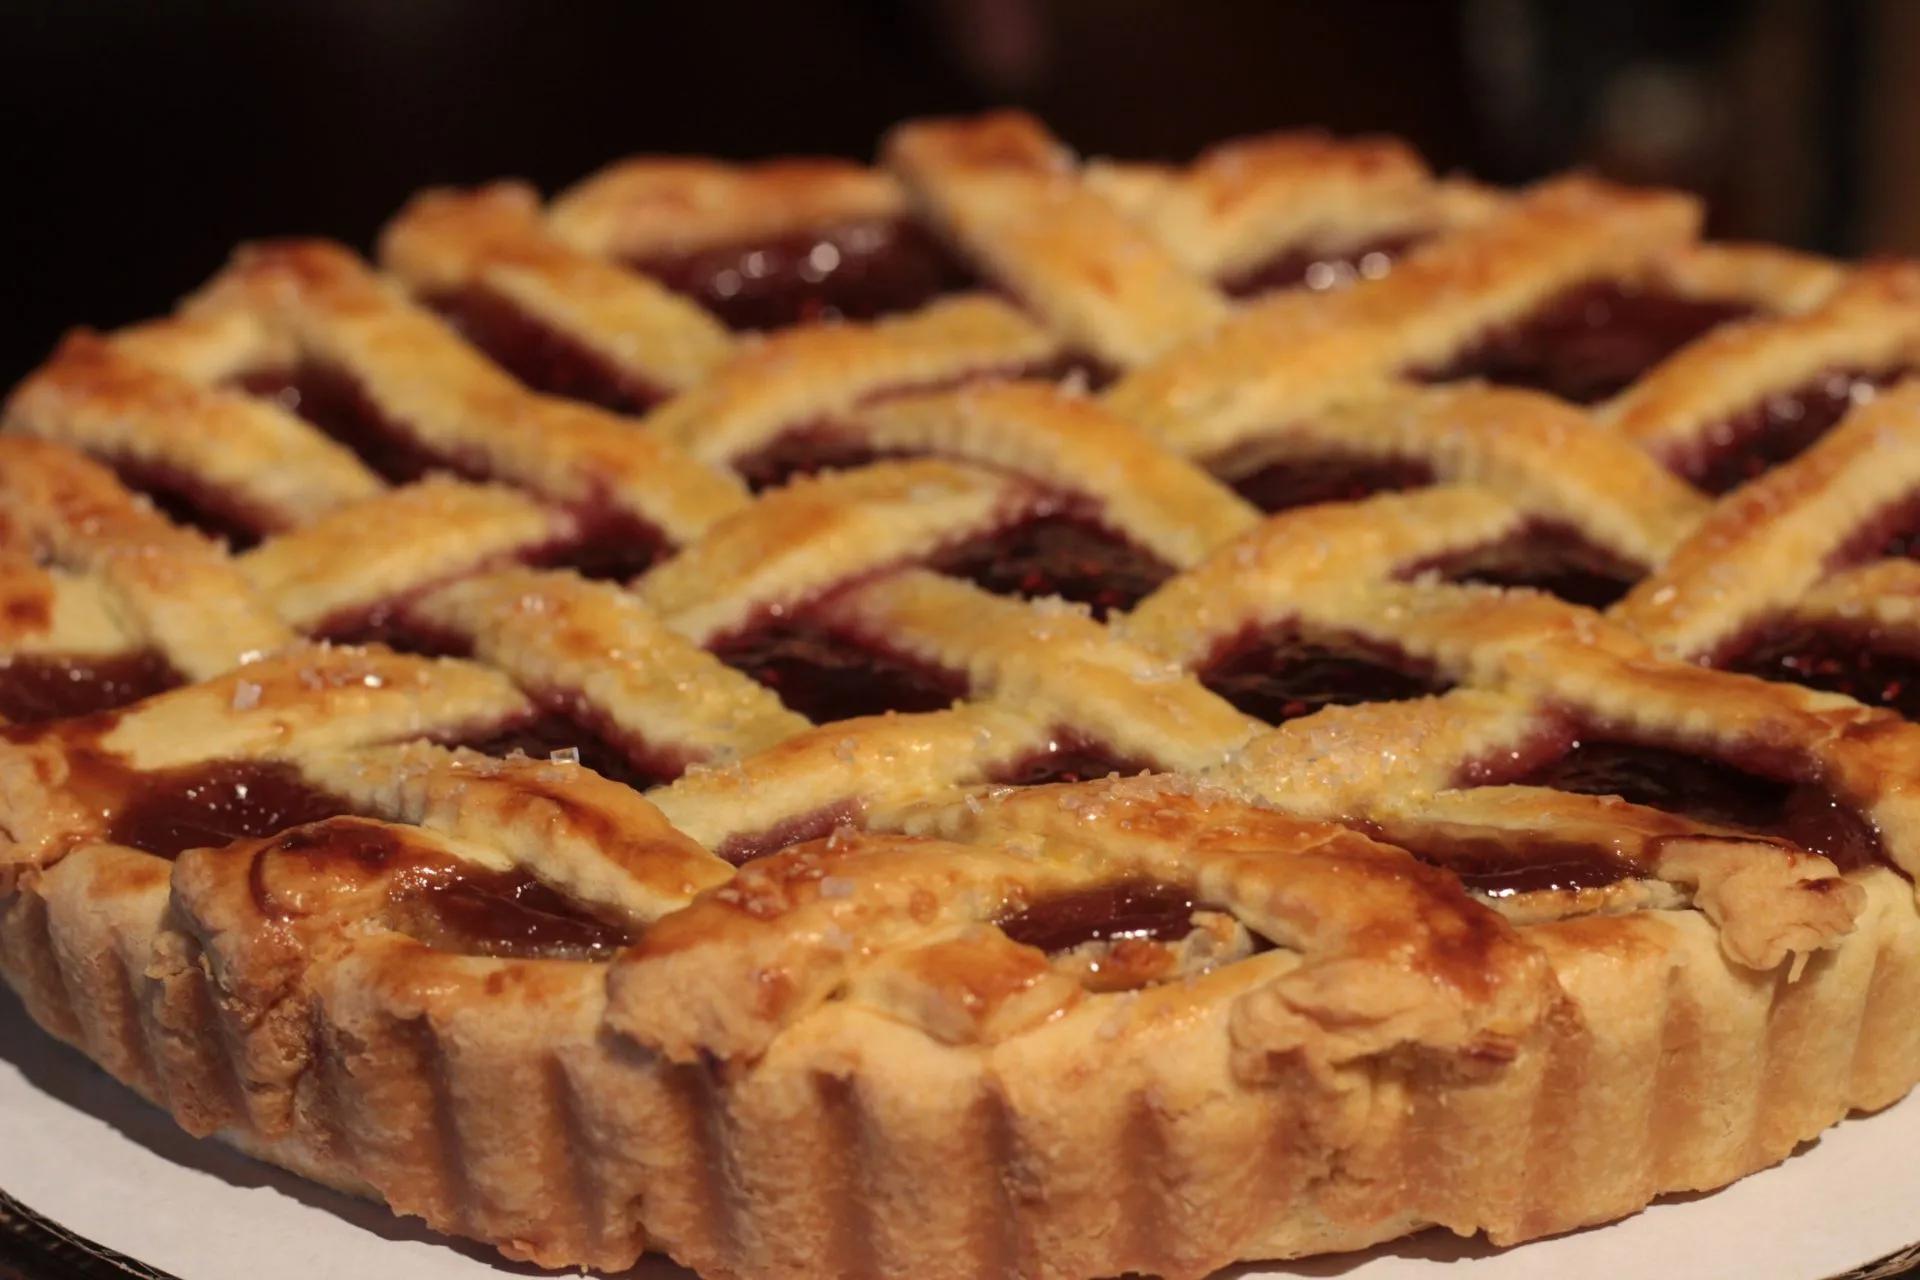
(1277, 675)
(744, 846)
(803, 451)
(171, 811)
(854, 271)
(506, 914)
(1714, 792)
(37, 689)
(1068, 757)
(560, 733)
(1839, 660)
(1546, 557)
(1590, 342)
(1892, 532)
(1320, 268)
(1058, 555)
(1503, 867)
(826, 675)
(333, 402)
(540, 356)
(1778, 429)
(1133, 909)
(1302, 482)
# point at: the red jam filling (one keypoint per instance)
(854, 271)
(1712, 791)
(743, 847)
(1068, 757)
(1502, 866)
(803, 451)
(1547, 557)
(207, 805)
(449, 906)
(333, 402)
(508, 915)
(1778, 429)
(1837, 659)
(1277, 675)
(35, 689)
(1591, 341)
(612, 545)
(1893, 532)
(1137, 909)
(1333, 477)
(564, 731)
(827, 675)
(541, 356)
(1320, 268)
(190, 501)
(1058, 555)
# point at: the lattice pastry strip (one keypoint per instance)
(1006, 192)
(1280, 360)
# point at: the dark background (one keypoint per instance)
(142, 142)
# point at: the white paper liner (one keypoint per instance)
(81, 1150)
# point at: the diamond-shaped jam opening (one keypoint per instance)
(541, 356)
(1545, 556)
(611, 545)
(827, 674)
(854, 270)
(1320, 267)
(170, 811)
(1276, 674)
(335, 403)
(1058, 554)
(1068, 757)
(1776, 430)
(1730, 792)
(564, 729)
(1855, 661)
(1133, 909)
(804, 451)
(1329, 477)
(1590, 342)
(35, 688)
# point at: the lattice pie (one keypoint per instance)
(984, 716)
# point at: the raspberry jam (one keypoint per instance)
(1839, 660)
(507, 915)
(853, 271)
(1142, 909)
(1501, 867)
(1320, 268)
(803, 451)
(1278, 675)
(188, 500)
(1545, 556)
(1058, 555)
(611, 545)
(1778, 429)
(207, 805)
(1068, 757)
(540, 356)
(1591, 341)
(827, 675)
(35, 689)
(1712, 791)
(570, 732)
(333, 402)
(1332, 477)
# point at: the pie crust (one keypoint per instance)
(1178, 715)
